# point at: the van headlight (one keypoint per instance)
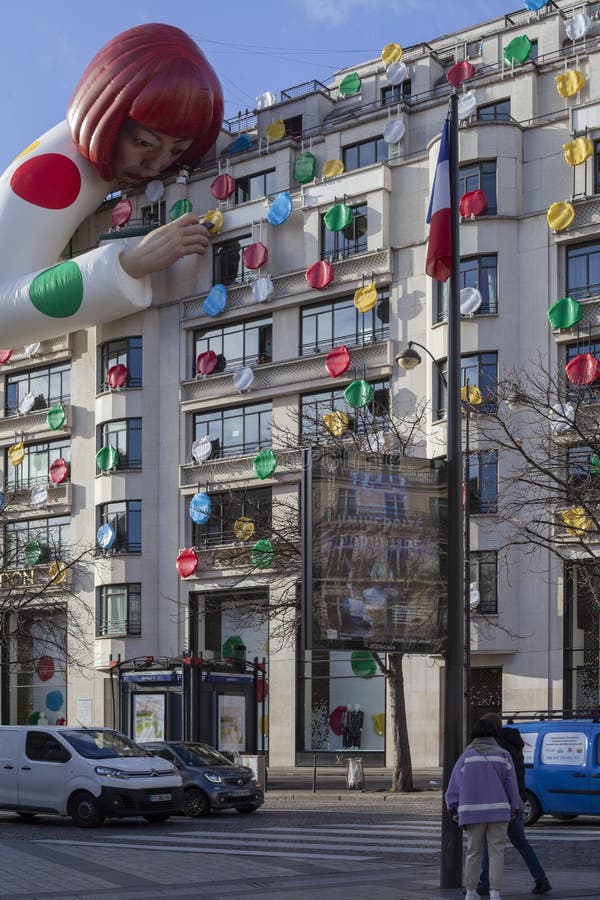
(108, 772)
(210, 776)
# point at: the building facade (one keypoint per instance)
(130, 598)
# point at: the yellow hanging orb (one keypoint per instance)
(336, 422)
(560, 215)
(57, 572)
(577, 151)
(391, 53)
(471, 394)
(276, 130)
(332, 168)
(243, 528)
(577, 521)
(365, 298)
(16, 453)
(570, 82)
(213, 220)
(379, 723)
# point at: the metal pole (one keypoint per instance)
(467, 575)
(453, 742)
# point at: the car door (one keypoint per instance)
(9, 752)
(595, 771)
(563, 775)
(42, 772)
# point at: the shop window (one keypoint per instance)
(226, 508)
(480, 176)
(483, 566)
(125, 351)
(48, 384)
(581, 637)
(498, 111)
(235, 431)
(51, 535)
(35, 468)
(126, 518)
(118, 610)
(253, 187)
(477, 370)
(125, 435)
(325, 325)
(583, 270)
(228, 265)
(247, 342)
(365, 153)
(352, 239)
(479, 272)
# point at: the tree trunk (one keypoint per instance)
(402, 776)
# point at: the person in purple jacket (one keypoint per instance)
(483, 795)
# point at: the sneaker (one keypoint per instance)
(542, 887)
(495, 895)
(471, 895)
(483, 891)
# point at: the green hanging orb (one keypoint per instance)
(517, 51)
(180, 208)
(363, 663)
(358, 393)
(56, 416)
(565, 313)
(234, 648)
(595, 464)
(350, 85)
(263, 554)
(304, 168)
(32, 553)
(107, 458)
(264, 463)
(338, 217)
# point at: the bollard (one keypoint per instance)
(355, 776)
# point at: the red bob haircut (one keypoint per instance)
(156, 75)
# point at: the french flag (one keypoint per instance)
(439, 247)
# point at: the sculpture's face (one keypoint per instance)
(142, 153)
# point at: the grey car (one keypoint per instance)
(210, 780)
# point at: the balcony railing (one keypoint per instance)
(237, 469)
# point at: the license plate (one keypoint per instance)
(240, 793)
(157, 798)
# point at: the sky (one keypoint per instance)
(265, 45)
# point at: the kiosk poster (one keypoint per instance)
(375, 537)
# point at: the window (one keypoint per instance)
(479, 272)
(355, 156)
(583, 270)
(480, 176)
(243, 343)
(36, 464)
(43, 747)
(236, 431)
(483, 482)
(597, 167)
(252, 187)
(324, 325)
(119, 610)
(228, 265)
(126, 351)
(534, 49)
(48, 385)
(483, 566)
(477, 370)
(125, 435)
(582, 393)
(474, 49)
(579, 471)
(126, 518)
(396, 93)
(498, 111)
(226, 508)
(293, 127)
(314, 406)
(154, 215)
(52, 535)
(353, 238)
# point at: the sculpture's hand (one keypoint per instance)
(161, 248)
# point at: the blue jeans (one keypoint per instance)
(516, 835)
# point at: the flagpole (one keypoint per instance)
(454, 717)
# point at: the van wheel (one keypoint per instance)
(195, 803)
(532, 809)
(85, 811)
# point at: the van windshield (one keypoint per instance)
(101, 744)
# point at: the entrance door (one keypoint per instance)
(10, 743)
(486, 692)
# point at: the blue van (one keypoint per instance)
(562, 767)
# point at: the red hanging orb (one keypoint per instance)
(262, 689)
(58, 471)
(186, 562)
(5, 355)
(121, 213)
(117, 376)
(583, 369)
(206, 362)
(44, 668)
(336, 722)
(223, 186)
(320, 275)
(459, 72)
(473, 203)
(337, 361)
(255, 255)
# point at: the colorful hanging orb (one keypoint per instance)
(57, 572)
(578, 26)
(262, 288)
(562, 417)
(26, 404)
(304, 168)
(337, 361)
(202, 449)
(180, 208)
(117, 376)
(200, 506)
(338, 217)
(534, 5)
(577, 521)
(264, 463)
(570, 82)
(595, 464)
(32, 350)
(121, 213)
(565, 313)
(255, 255)
(32, 553)
(243, 378)
(263, 554)
(379, 724)
(467, 104)
(363, 663)
(243, 528)
(107, 458)
(560, 215)
(16, 453)
(394, 131)
(336, 422)
(213, 220)
(396, 73)
(474, 595)
(54, 700)
(350, 85)
(154, 190)
(186, 562)
(320, 275)
(206, 362)
(240, 144)
(460, 72)
(221, 363)
(517, 51)
(56, 416)
(215, 301)
(58, 471)
(280, 209)
(39, 497)
(583, 369)
(106, 536)
(365, 298)
(223, 186)
(275, 131)
(391, 53)
(45, 668)
(471, 394)
(263, 101)
(470, 301)
(578, 150)
(332, 168)
(472, 204)
(358, 394)
(5, 355)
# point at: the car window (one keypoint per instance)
(43, 747)
(201, 755)
(102, 744)
(163, 753)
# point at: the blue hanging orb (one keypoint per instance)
(533, 5)
(215, 301)
(280, 209)
(200, 506)
(106, 536)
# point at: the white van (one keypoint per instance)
(86, 773)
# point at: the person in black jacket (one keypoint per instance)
(510, 739)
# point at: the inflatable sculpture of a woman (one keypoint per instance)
(147, 99)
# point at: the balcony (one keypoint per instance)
(32, 425)
(222, 473)
(59, 502)
(47, 350)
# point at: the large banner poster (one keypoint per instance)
(375, 536)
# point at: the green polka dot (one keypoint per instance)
(58, 292)
(180, 208)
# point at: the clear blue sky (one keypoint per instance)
(254, 45)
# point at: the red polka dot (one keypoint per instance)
(50, 180)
